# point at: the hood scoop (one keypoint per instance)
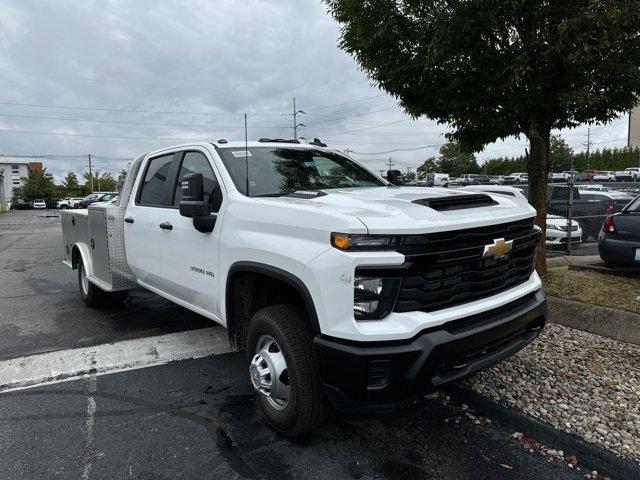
(307, 194)
(457, 202)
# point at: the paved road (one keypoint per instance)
(41, 307)
(195, 419)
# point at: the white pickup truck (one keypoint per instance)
(631, 174)
(342, 288)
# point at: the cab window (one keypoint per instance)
(155, 187)
(197, 162)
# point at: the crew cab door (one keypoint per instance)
(190, 258)
(142, 233)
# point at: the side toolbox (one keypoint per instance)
(101, 229)
(75, 229)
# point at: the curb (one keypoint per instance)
(604, 321)
(555, 262)
(591, 456)
(602, 268)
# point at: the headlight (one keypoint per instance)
(343, 241)
(373, 297)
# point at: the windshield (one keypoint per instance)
(633, 206)
(276, 171)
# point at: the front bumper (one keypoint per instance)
(559, 237)
(378, 375)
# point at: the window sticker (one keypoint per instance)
(241, 153)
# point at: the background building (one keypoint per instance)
(12, 170)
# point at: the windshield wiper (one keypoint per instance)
(269, 195)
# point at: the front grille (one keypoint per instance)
(564, 228)
(446, 269)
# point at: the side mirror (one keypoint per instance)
(394, 177)
(194, 205)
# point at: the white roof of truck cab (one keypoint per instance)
(241, 144)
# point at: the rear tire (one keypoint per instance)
(283, 330)
(92, 296)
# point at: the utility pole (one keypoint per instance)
(295, 120)
(588, 145)
(390, 163)
(570, 187)
(2, 200)
(90, 173)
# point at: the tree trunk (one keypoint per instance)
(538, 170)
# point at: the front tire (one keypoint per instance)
(283, 370)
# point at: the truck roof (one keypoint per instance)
(263, 143)
(223, 143)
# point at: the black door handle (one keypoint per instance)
(166, 226)
(129, 219)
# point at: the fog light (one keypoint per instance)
(373, 297)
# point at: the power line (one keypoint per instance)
(101, 109)
(332, 88)
(89, 79)
(345, 103)
(368, 128)
(3, 130)
(189, 125)
(399, 149)
(60, 157)
(119, 122)
(355, 115)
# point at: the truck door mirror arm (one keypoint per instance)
(194, 205)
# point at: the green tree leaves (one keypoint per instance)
(493, 69)
(71, 184)
(37, 184)
(102, 181)
(452, 160)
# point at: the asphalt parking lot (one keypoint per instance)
(195, 418)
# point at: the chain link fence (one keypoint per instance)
(576, 212)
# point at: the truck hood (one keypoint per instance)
(394, 209)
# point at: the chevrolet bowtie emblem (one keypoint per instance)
(498, 249)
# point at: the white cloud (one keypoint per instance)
(197, 56)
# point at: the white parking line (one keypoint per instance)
(55, 367)
(88, 457)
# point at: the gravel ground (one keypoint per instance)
(576, 381)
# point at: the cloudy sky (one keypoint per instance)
(117, 78)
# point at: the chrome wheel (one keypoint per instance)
(269, 373)
(84, 281)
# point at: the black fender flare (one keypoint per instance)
(279, 274)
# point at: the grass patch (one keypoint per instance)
(593, 287)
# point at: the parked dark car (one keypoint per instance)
(52, 202)
(95, 197)
(20, 204)
(619, 239)
(612, 201)
(588, 212)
